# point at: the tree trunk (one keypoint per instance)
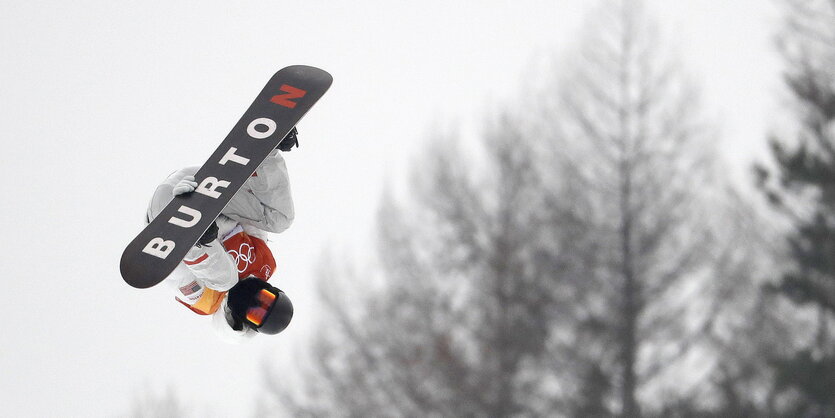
(630, 307)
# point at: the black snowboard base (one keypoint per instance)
(164, 242)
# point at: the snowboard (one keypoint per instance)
(166, 240)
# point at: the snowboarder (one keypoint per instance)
(225, 274)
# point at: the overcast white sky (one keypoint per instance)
(100, 100)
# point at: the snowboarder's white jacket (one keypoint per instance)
(263, 204)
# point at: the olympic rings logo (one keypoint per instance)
(245, 254)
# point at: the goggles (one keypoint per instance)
(258, 313)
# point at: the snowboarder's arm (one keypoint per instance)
(174, 184)
(265, 200)
(212, 266)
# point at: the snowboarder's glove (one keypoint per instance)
(289, 141)
(186, 185)
(208, 236)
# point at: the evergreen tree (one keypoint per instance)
(800, 184)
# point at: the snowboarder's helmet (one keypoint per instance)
(260, 306)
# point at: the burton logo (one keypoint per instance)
(290, 93)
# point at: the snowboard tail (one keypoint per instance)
(166, 240)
